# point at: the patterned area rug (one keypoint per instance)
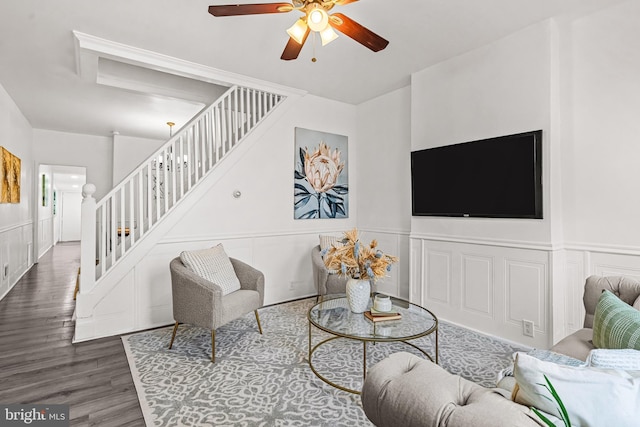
(265, 380)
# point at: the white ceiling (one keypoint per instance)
(68, 178)
(38, 63)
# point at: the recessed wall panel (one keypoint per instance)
(477, 284)
(438, 276)
(574, 309)
(526, 294)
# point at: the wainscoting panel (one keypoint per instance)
(477, 284)
(416, 271)
(607, 264)
(153, 288)
(526, 298)
(490, 288)
(574, 289)
(142, 299)
(438, 276)
(16, 242)
(45, 235)
(286, 264)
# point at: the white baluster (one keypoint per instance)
(122, 220)
(140, 204)
(174, 170)
(132, 237)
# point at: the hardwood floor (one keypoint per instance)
(38, 363)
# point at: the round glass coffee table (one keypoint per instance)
(334, 317)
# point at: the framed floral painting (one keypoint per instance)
(321, 176)
(9, 177)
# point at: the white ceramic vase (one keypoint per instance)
(358, 294)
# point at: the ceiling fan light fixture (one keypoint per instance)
(318, 19)
(298, 30)
(328, 35)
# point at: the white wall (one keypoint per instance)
(486, 273)
(16, 220)
(500, 89)
(71, 149)
(575, 78)
(260, 223)
(258, 228)
(384, 181)
(600, 153)
(600, 161)
(129, 152)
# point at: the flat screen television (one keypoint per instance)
(493, 178)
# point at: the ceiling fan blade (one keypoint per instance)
(362, 35)
(343, 2)
(249, 9)
(293, 48)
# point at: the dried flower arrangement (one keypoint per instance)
(358, 261)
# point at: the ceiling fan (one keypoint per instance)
(315, 18)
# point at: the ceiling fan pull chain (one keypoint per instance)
(313, 42)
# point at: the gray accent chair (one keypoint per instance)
(199, 302)
(326, 282)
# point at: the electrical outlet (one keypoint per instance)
(292, 286)
(527, 328)
(5, 271)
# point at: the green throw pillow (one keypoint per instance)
(616, 324)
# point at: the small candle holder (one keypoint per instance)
(382, 302)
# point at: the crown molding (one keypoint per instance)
(90, 48)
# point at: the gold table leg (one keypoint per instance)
(364, 360)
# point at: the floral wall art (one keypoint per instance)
(9, 177)
(321, 176)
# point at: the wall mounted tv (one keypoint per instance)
(492, 178)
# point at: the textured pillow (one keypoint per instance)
(626, 359)
(214, 265)
(557, 358)
(615, 323)
(592, 397)
(326, 241)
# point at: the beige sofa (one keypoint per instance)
(405, 390)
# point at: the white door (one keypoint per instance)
(70, 211)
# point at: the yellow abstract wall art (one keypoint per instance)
(9, 177)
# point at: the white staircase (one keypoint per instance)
(121, 227)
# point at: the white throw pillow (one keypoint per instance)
(214, 265)
(592, 396)
(625, 359)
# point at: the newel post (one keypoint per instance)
(88, 239)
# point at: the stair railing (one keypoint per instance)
(113, 225)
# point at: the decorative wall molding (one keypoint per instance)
(505, 243)
(511, 283)
(477, 284)
(602, 248)
(16, 246)
(284, 258)
(13, 227)
(235, 236)
(89, 48)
